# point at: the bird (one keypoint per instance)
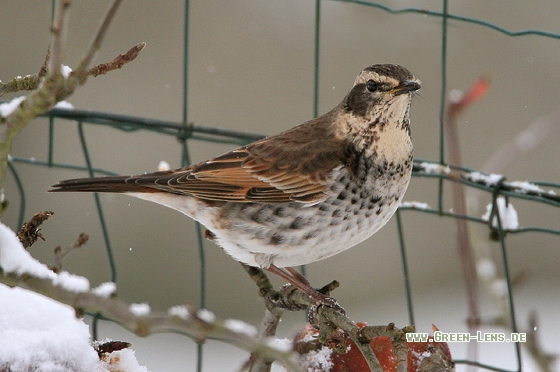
(302, 195)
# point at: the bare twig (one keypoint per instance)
(60, 253)
(544, 360)
(330, 320)
(81, 72)
(459, 201)
(31, 82)
(58, 37)
(118, 62)
(30, 230)
(54, 87)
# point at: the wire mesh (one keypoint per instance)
(186, 132)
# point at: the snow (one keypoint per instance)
(140, 309)
(206, 315)
(7, 108)
(39, 334)
(318, 361)
(71, 282)
(239, 326)
(105, 290)
(415, 205)
(434, 168)
(163, 166)
(64, 105)
(488, 179)
(508, 215)
(15, 259)
(180, 311)
(524, 186)
(121, 360)
(66, 71)
(284, 345)
(486, 268)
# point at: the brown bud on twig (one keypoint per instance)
(118, 62)
(60, 253)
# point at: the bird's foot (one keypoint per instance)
(313, 313)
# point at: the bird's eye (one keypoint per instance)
(372, 86)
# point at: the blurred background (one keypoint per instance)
(251, 68)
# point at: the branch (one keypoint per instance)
(544, 360)
(185, 321)
(118, 62)
(455, 109)
(32, 82)
(81, 72)
(330, 320)
(459, 201)
(60, 253)
(54, 87)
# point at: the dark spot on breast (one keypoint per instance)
(337, 213)
(297, 223)
(280, 211)
(255, 217)
(310, 235)
(334, 222)
(275, 239)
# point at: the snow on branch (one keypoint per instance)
(19, 269)
(488, 181)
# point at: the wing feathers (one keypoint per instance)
(279, 169)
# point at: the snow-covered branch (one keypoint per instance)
(19, 269)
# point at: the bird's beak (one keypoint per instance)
(406, 86)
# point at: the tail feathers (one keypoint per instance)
(117, 184)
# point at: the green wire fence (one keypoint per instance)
(186, 132)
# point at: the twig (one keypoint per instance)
(30, 230)
(330, 320)
(270, 321)
(81, 72)
(118, 62)
(544, 360)
(54, 87)
(60, 254)
(31, 82)
(189, 324)
(477, 91)
(58, 38)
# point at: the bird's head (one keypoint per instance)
(381, 91)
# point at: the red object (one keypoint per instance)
(353, 360)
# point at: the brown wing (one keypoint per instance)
(291, 166)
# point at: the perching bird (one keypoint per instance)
(302, 195)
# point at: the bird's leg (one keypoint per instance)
(299, 281)
(298, 275)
